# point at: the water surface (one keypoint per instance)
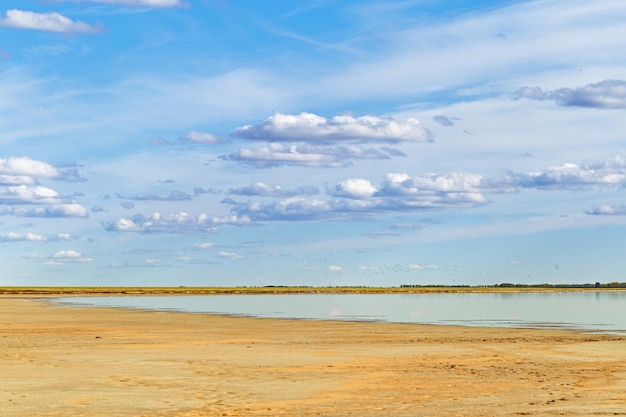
(589, 311)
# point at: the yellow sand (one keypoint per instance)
(60, 361)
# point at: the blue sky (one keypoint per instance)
(199, 142)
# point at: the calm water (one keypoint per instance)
(590, 311)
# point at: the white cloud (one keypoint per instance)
(608, 172)
(67, 210)
(53, 211)
(355, 188)
(64, 236)
(335, 268)
(71, 255)
(294, 208)
(400, 183)
(22, 194)
(205, 245)
(180, 222)
(400, 192)
(229, 255)
(357, 196)
(423, 266)
(308, 127)
(26, 167)
(16, 237)
(51, 21)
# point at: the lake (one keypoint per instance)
(596, 311)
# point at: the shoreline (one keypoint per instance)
(65, 300)
(7, 291)
(136, 363)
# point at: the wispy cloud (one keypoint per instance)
(308, 155)
(17, 237)
(200, 138)
(262, 189)
(443, 120)
(51, 21)
(172, 196)
(608, 210)
(229, 255)
(141, 3)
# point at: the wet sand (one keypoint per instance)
(62, 361)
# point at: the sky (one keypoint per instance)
(312, 142)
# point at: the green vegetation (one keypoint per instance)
(403, 289)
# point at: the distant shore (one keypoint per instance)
(408, 289)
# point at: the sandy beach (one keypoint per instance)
(62, 361)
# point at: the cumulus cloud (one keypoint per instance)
(354, 196)
(26, 167)
(456, 182)
(51, 21)
(607, 94)
(55, 211)
(309, 127)
(200, 138)
(262, 189)
(180, 222)
(63, 256)
(573, 176)
(69, 254)
(402, 192)
(22, 194)
(335, 268)
(306, 154)
(294, 208)
(397, 192)
(354, 188)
